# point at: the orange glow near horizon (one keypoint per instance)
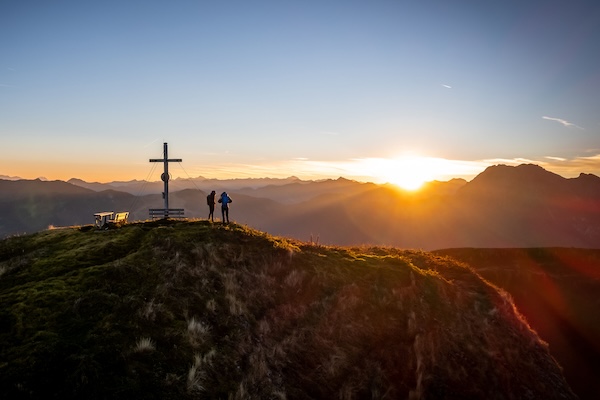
(410, 172)
(407, 171)
(92, 172)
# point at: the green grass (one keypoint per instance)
(188, 309)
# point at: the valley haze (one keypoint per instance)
(504, 206)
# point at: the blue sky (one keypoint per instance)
(306, 88)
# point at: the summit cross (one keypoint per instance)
(165, 175)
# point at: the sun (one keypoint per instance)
(410, 172)
(410, 183)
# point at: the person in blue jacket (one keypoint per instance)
(225, 200)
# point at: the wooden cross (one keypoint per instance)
(165, 175)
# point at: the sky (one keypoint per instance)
(376, 91)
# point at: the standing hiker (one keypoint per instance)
(225, 200)
(210, 200)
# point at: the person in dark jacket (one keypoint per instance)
(225, 201)
(210, 200)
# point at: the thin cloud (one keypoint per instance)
(509, 161)
(585, 164)
(568, 168)
(562, 121)
(151, 143)
(447, 86)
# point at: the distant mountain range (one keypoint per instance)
(139, 188)
(504, 206)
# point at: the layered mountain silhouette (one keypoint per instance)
(140, 188)
(182, 310)
(504, 206)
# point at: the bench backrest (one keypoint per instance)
(122, 216)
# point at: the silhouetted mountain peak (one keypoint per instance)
(524, 178)
(443, 187)
(36, 187)
(9, 178)
(586, 185)
(588, 178)
(81, 182)
(522, 172)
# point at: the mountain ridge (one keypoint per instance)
(179, 309)
(142, 187)
(524, 178)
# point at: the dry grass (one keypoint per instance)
(195, 376)
(144, 345)
(198, 332)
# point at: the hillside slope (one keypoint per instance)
(557, 290)
(175, 310)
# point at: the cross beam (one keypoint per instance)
(165, 175)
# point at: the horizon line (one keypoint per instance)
(368, 170)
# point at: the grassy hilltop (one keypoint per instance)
(179, 309)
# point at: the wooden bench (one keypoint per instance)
(120, 218)
(105, 218)
(166, 213)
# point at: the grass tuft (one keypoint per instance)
(195, 376)
(144, 345)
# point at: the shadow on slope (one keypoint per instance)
(557, 290)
